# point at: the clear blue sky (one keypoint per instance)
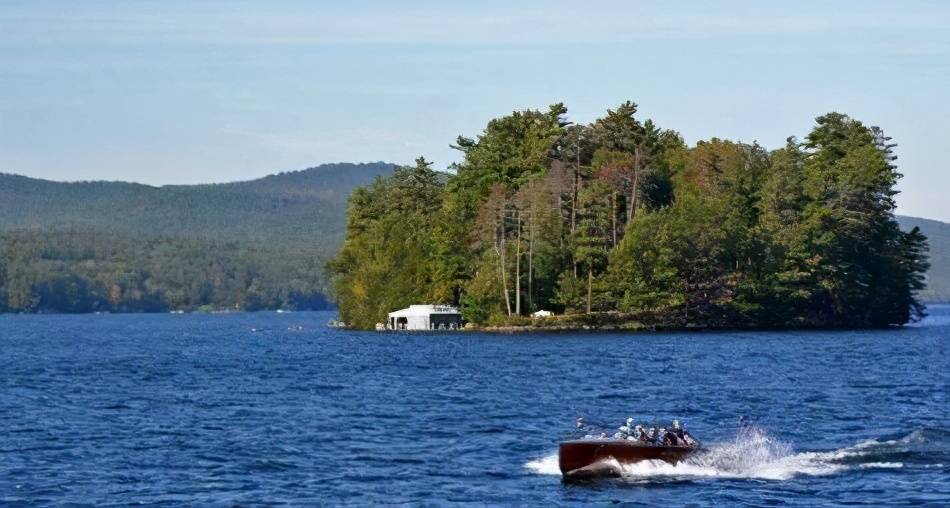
(204, 91)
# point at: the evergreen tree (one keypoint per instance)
(849, 242)
(386, 259)
(623, 216)
(591, 243)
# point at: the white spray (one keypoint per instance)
(752, 454)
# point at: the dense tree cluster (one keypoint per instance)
(621, 217)
(83, 271)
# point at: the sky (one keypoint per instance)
(176, 92)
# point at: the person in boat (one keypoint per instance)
(647, 436)
(626, 430)
(677, 436)
(682, 434)
(640, 434)
(651, 436)
(670, 438)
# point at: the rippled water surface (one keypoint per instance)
(275, 408)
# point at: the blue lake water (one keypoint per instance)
(275, 408)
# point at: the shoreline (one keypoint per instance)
(570, 323)
(508, 330)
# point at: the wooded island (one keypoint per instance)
(621, 222)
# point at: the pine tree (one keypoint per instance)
(593, 237)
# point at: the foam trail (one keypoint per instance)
(752, 455)
(545, 465)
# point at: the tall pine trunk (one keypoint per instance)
(613, 218)
(530, 262)
(504, 269)
(636, 183)
(518, 266)
(574, 192)
(590, 286)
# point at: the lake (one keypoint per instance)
(277, 409)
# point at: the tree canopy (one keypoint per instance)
(622, 217)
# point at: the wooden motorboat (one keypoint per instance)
(591, 458)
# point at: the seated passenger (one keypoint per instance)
(684, 438)
(626, 430)
(670, 438)
(640, 434)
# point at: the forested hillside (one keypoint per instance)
(938, 276)
(112, 246)
(288, 207)
(620, 220)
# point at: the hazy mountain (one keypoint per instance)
(299, 206)
(938, 277)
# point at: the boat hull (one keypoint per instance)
(591, 458)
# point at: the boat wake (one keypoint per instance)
(755, 455)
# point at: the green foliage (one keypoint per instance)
(622, 217)
(591, 239)
(674, 260)
(512, 149)
(85, 271)
(482, 301)
(858, 266)
(118, 247)
(385, 263)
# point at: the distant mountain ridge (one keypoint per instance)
(938, 236)
(291, 207)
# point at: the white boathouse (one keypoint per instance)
(425, 317)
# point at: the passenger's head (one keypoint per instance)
(676, 425)
(629, 421)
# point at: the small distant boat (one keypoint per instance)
(595, 458)
(336, 323)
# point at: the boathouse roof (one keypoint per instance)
(424, 310)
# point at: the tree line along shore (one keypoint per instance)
(81, 271)
(620, 224)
